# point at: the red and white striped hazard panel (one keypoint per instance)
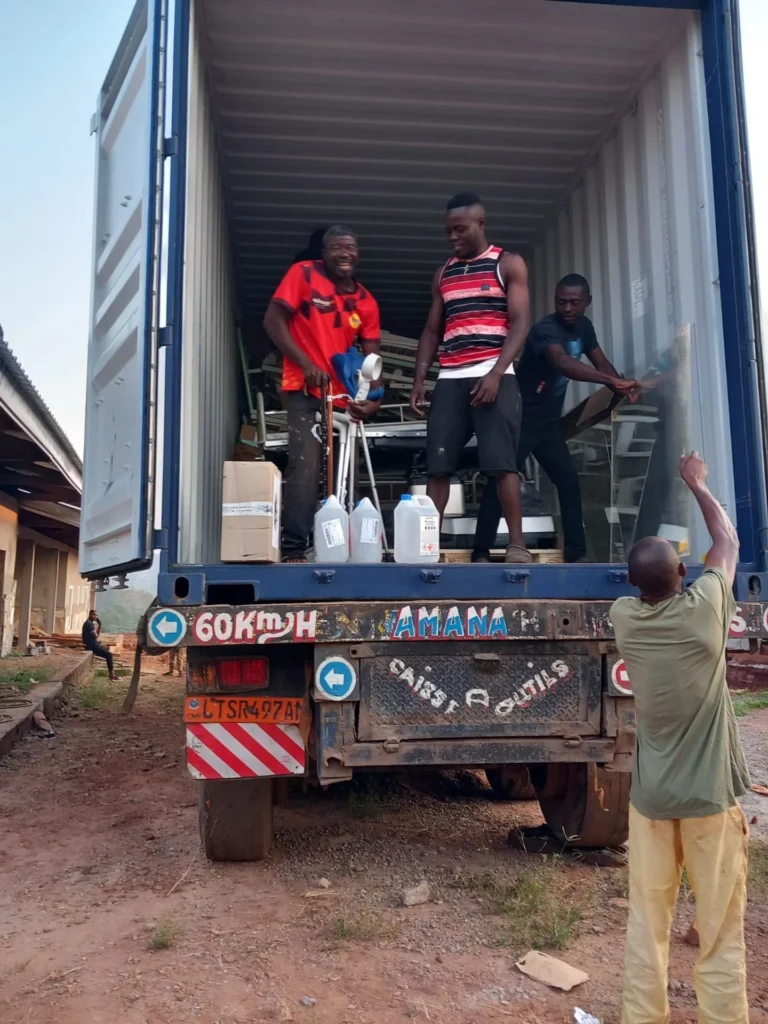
(240, 750)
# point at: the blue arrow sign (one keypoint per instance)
(167, 627)
(335, 679)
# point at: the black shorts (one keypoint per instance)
(452, 421)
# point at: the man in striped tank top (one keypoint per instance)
(480, 313)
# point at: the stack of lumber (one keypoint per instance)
(56, 639)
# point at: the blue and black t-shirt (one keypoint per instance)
(542, 388)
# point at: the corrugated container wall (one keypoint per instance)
(638, 224)
(209, 349)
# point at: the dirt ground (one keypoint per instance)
(109, 911)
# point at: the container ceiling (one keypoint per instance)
(374, 114)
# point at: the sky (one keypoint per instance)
(55, 56)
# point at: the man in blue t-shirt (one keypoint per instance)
(551, 358)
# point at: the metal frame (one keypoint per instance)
(168, 539)
(388, 582)
(733, 208)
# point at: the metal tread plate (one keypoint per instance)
(431, 693)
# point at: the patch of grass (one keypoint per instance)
(164, 935)
(103, 673)
(364, 929)
(744, 703)
(536, 913)
(757, 880)
(23, 680)
(16, 968)
(96, 693)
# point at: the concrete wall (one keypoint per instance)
(44, 588)
(48, 585)
(78, 596)
(9, 520)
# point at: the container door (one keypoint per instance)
(120, 424)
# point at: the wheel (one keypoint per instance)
(583, 804)
(236, 818)
(511, 782)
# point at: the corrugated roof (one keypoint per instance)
(13, 368)
(374, 114)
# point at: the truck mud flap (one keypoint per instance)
(477, 690)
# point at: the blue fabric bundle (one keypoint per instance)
(347, 366)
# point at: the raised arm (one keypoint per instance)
(514, 273)
(429, 342)
(724, 553)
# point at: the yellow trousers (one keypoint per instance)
(714, 851)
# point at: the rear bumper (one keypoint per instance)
(390, 582)
(414, 621)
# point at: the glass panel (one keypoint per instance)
(627, 457)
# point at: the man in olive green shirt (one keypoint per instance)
(688, 771)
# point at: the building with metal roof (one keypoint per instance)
(41, 479)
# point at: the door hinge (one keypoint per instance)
(171, 146)
(516, 575)
(164, 336)
(160, 540)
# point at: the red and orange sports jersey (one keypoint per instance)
(323, 321)
(475, 302)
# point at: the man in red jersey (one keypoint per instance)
(318, 311)
(480, 315)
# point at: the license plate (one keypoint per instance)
(243, 709)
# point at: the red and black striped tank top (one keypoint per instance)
(476, 320)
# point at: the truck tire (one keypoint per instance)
(583, 804)
(236, 818)
(511, 782)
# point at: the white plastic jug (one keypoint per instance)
(331, 532)
(417, 530)
(365, 530)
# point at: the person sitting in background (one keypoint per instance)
(551, 358)
(317, 312)
(91, 634)
(688, 772)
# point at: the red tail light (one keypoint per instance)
(242, 673)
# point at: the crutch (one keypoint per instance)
(324, 441)
(344, 425)
(370, 371)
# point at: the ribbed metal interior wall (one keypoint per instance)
(639, 224)
(209, 348)
(584, 128)
(374, 114)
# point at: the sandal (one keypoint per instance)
(518, 555)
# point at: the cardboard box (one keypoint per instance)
(250, 520)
